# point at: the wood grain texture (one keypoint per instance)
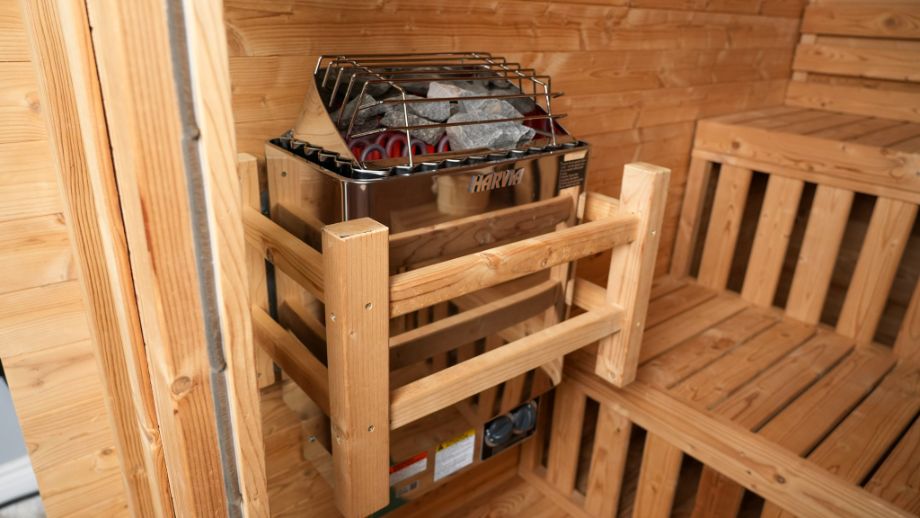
(357, 331)
(157, 189)
(907, 344)
(463, 235)
(429, 285)
(778, 475)
(608, 461)
(724, 225)
(565, 438)
(637, 74)
(883, 19)
(897, 478)
(879, 258)
(69, 84)
(28, 182)
(251, 196)
(463, 380)
(632, 267)
(876, 59)
(691, 209)
(658, 477)
(827, 222)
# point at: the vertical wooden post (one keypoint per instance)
(163, 70)
(356, 266)
(644, 192)
(251, 195)
(72, 104)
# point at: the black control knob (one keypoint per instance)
(499, 431)
(524, 418)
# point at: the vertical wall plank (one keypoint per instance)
(691, 212)
(724, 225)
(774, 227)
(63, 51)
(644, 192)
(657, 478)
(827, 222)
(876, 267)
(608, 460)
(357, 330)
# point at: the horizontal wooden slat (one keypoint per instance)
(455, 237)
(891, 104)
(439, 390)
(689, 323)
(599, 206)
(468, 326)
(860, 164)
(34, 252)
(309, 29)
(19, 104)
(857, 183)
(292, 356)
(427, 286)
(896, 62)
(14, 45)
(28, 186)
(42, 317)
(295, 258)
(881, 19)
(752, 461)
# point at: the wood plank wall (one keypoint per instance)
(637, 73)
(44, 335)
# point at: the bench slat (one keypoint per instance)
(718, 380)
(898, 479)
(907, 344)
(682, 361)
(717, 495)
(771, 240)
(724, 225)
(827, 222)
(687, 324)
(889, 230)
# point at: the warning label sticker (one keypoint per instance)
(408, 468)
(454, 455)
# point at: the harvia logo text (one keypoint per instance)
(496, 179)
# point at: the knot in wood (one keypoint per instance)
(181, 386)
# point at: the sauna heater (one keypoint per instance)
(418, 140)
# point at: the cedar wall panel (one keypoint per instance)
(44, 334)
(637, 74)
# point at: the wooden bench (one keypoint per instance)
(797, 252)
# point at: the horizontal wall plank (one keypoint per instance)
(882, 19)
(19, 106)
(310, 28)
(14, 46)
(38, 318)
(35, 252)
(28, 186)
(888, 60)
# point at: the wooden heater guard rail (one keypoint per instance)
(351, 277)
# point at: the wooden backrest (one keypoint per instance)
(861, 57)
(820, 250)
